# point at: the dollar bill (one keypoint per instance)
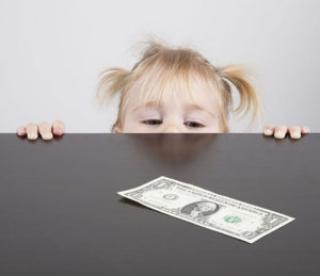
(216, 212)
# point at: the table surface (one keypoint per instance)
(60, 213)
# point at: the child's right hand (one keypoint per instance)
(45, 129)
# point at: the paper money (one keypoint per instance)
(216, 212)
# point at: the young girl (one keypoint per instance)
(173, 90)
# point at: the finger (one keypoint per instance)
(305, 130)
(45, 131)
(280, 132)
(58, 127)
(295, 132)
(21, 131)
(268, 130)
(32, 131)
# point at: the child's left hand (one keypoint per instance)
(280, 132)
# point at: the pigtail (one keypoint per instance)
(112, 81)
(249, 98)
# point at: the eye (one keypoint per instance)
(193, 124)
(152, 122)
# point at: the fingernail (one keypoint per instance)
(296, 135)
(268, 131)
(279, 135)
(58, 131)
(47, 136)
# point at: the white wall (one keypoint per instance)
(52, 51)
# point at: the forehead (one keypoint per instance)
(190, 90)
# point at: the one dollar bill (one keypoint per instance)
(216, 212)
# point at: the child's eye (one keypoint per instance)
(152, 122)
(193, 124)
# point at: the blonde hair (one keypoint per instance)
(163, 65)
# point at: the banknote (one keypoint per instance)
(202, 207)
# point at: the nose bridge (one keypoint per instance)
(172, 126)
(172, 129)
(173, 122)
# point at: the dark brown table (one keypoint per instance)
(60, 214)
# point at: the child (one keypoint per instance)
(173, 90)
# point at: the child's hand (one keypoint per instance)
(280, 132)
(45, 129)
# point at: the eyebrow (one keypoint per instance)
(200, 108)
(191, 107)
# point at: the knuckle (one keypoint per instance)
(281, 127)
(44, 124)
(279, 130)
(44, 127)
(31, 125)
(295, 129)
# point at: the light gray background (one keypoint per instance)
(51, 53)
